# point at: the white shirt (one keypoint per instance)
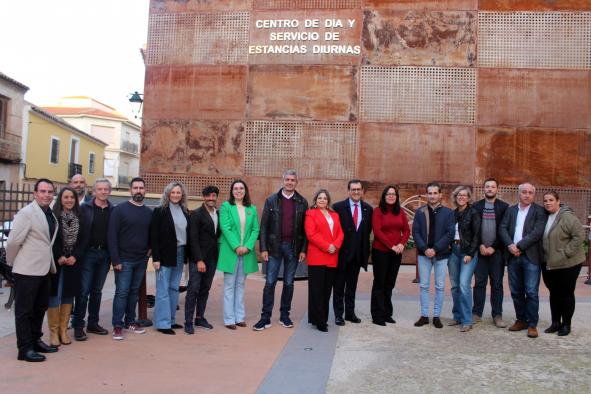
(214, 217)
(285, 195)
(330, 221)
(519, 222)
(359, 216)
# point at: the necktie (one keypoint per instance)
(355, 213)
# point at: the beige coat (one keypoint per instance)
(28, 249)
(563, 245)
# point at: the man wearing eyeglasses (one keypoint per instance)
(355, 216)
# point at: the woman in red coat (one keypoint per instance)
(325, 237)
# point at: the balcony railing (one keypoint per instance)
(74, 169)
(129, 147)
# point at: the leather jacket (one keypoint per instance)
(469, 229)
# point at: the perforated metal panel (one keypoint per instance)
(534, 39)
(314, 149)
(418, 94)
(198, 38)
(294, 4)
(578, 199)
(155, 183)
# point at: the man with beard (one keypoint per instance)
(491, 262)
(129, 246)
(78, 183)
(204, 231)
(95, 263)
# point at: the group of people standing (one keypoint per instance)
(61, 253)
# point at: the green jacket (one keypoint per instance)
(230, 238)
(563, 245)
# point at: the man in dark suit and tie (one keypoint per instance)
(521, 232)
(355, 216)
(204, 231)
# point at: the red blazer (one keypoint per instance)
(320, 238)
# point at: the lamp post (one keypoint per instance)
(136, 102)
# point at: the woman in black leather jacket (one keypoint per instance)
(464, 256)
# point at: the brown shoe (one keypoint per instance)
(422, 321)
(518, 326)
(532, 332)
(241, 324)
(231, 326)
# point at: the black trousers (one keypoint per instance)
(345, 287)
(385, 272)
(30, 305)
(320, 283)
(198, 290)
(562, 284)
(492, 267)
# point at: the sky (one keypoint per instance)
(75, 48)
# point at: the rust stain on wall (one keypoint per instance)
(542, 156)
(193, 147)
(534, 5)
(434, 38)
(302, 92)
(422, 4)
(417, 153)
(534, 98)
(157, 6)
(195, 92)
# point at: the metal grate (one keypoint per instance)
(418, 94)
(295, 4)
(314, 149)
(579, 199)
(198, 38)
(155, 183)
(534, 40)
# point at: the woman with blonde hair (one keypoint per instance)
(169, 240)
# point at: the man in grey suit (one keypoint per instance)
(521, 232)
(28, 251)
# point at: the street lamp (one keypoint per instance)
(136, 101)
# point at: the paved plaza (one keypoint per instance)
(356, 358)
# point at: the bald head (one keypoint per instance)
(78, 183)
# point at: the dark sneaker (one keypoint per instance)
(189, 329)
(203, 323)
(96, 329)
(176, 326)
(390, 320)
(261, 325)
(286, 322)
(437, 322)
(135, 329)
(167, 331)
(422, 321)
(79, 334)
(118, 334)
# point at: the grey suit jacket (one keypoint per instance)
(533, 230)
(28, 248)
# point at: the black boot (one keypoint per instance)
(554, 327)
(564, 330)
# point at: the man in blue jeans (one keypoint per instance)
(521, 232)
(95, 263)
(282, 240)
(129, 247)
(433, 231)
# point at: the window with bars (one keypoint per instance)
(91, 161)
(54, 152)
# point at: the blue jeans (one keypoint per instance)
(167, 291)
(524, 282)
(127, 287)
(290, 264)
(57, 300)
(94, 271)
(425, 265)
(234, 294)
(460, 277)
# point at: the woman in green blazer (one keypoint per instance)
(240, 230)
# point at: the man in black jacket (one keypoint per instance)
(282, 239)
(521, 232)
(355, 215)
(95, 262)
(491, 261)
(204, 231)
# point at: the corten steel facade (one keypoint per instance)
(455, 91)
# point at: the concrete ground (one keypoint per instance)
(356, 358)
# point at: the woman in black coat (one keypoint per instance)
(169, 239)
(67, 252)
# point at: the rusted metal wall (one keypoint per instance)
(452, 90)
